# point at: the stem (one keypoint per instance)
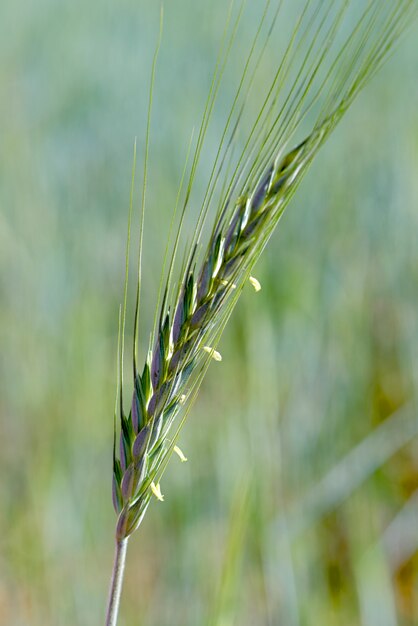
(116, 582)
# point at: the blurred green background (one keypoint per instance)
(299, 503)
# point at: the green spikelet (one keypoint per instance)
(193, 313)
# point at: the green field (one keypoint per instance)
(299, 502)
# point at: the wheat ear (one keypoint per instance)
(193, 314)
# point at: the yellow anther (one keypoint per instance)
(225, 283)
(255, 283)
(183, 398)
(179, 452)
(216, 356)
(156, 490)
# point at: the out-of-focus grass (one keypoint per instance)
(299, 502)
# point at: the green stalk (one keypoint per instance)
(116, 582)
(193, 311)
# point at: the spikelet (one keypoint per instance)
(193, 315)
